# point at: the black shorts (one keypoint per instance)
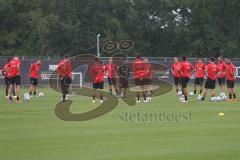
(177, 81)
(210, 84)
(230, 84)
(98, 85)
(17, 80)
(184, 82)
(123, 82)
(198, 81)
(139, 82)
(65, 84)
(8, 81)
(221, 81)
(112, 81)
(147, 81)
(34, 81)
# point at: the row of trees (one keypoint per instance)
(157, 27)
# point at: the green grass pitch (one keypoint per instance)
(31, 131)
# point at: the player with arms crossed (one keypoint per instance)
(199, 75)
(147, 78)
(185, 70)
(124, 76)
(222, 68)
(138, 68)
(97, 78)
(230, 80)
(211, 70)
(176, 74)
(34, 73)
(64, 71)
(111, 72)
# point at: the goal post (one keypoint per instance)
(77, 79)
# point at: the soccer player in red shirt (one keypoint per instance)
(176, 74)
(7, 79)
(185, 71)
(211, 70)
(34, 73)
(222, 68)
(138, 68)
(199, 75)
(10, 72)
(111, 72)
(17, 77)
(97, 78)
(230, 80)
(64, 71)
(147, 78)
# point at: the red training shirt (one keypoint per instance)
(111, 70)
(138, 68)
(175, 69)
(17, 63)
(97, 73)
(64, 68)
(200, 70)
(148, 71)
(230, 72)
(222, 69)
(34, 70)
(4, 70)
(185, 69)
(10, 68)
(212, 69)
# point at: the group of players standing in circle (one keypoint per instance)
(224, 71)
(118, 76)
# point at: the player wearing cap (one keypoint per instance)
(64, 71)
